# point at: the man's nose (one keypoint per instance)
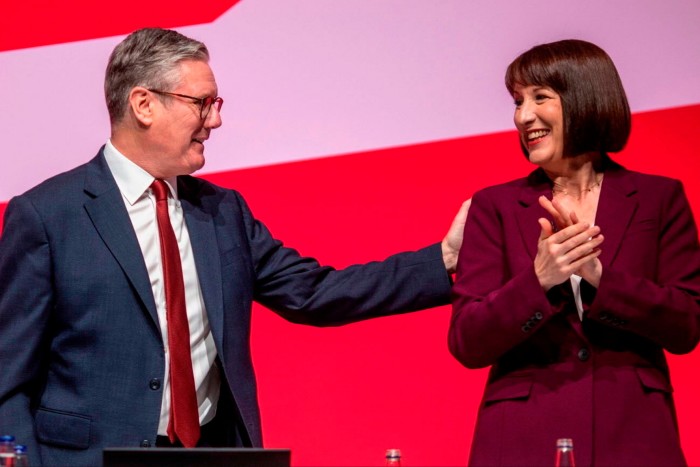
(213, 119)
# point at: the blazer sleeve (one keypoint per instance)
(664, 309)
(494, 308)
(25, 306)
(302, 291)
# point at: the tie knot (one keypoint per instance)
(160, 189)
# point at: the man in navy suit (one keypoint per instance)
(84, 347)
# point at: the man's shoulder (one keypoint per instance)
(202, 191)
(202, 187)
(58, 186)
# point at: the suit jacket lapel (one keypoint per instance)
(539, 185)
(106, 209)
(616, 207)
(200, 225)
(529, 210)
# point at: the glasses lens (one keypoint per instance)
(207, 104)
(206, 107)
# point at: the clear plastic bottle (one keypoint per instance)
(565, 453)
(21, 458)
(393, 457)
(7, 451)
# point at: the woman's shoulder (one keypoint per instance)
(642, 180)
(514, 184)
(513, 188)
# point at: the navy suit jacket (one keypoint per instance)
(602, 381)
(81, 351)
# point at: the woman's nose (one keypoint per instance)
(524, 113)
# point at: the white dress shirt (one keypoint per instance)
(134, 184)
(576, 286)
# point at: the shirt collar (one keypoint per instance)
(132, 180)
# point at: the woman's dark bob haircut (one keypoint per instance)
(596, 112)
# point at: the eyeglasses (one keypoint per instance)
(205, 103)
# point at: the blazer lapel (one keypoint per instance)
(200, 225)
(616, 207)
(529, 210)
(111, 220)
(539, 185)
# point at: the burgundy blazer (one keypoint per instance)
(602, 381)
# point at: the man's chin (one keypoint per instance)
(195, 161)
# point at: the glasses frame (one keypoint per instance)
(203, 102)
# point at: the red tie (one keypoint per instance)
(184, 413)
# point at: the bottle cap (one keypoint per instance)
(6, 439)
(20, 449)
(393, 453)
(565, 443)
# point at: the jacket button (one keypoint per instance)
(604, 316)
(583, 355)
(154, 384)
(525, 328)
(145, 443)
(538, 316)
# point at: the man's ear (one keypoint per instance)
(141, 103)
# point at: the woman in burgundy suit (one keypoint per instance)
(577, 279)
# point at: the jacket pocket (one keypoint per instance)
(512, 386)
(62, 428)
(653, 379)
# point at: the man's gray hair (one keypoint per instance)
(148, 57)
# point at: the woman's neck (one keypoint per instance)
(577, 177)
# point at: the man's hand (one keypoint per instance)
(453, 240)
